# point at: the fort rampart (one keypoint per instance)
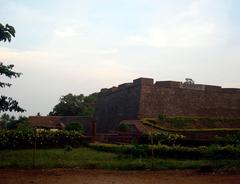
(144, 98)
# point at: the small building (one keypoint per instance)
(60, 122)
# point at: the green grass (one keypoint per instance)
(149, 122)
(86, 158)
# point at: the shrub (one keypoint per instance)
(162, 138)
(162, 117)
(233, 139)
(179, 152)
(12, 139)
(75, 127)
(123, 127)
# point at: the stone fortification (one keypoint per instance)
(144, 98)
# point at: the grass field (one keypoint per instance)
(86, 158)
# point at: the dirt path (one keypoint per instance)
(61, 176)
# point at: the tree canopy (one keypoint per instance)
(11, 122)
(75, 105)
(7, 103)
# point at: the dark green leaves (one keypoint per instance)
(6, 32)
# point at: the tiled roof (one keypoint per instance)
(56, 121)
(45, 121)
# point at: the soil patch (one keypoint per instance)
(75, 176)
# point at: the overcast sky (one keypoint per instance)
(81, 46)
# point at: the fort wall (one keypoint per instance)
(144, 98)
(210, 102)
(116, 104)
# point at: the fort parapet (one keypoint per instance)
(144, 98)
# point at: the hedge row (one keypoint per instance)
(14, 139)
(179, 152)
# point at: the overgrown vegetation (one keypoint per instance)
(221, 136)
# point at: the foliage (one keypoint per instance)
(5, 118)
(15, 139)
(123, 127)
(162, 117)
(75, 105)
(75, 127)
(12, 123)
(179, 152)
(23, 126)
(233, 139)
(6, 32)
(7, 103)
(234, 132)
(162, 138)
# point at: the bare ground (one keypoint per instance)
(75, 176)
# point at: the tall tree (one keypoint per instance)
(7, 103)
(75, 105)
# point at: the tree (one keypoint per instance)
(10, 122)
(75, 105)
(7, 119)
(7, 103)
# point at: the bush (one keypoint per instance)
(75, 127)
(13, 139)
(162, 138)
(123, 127)
(233, 139)
(162, 117)
(179, 152)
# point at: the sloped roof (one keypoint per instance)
(45, 121)
(140, 127)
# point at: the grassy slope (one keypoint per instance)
(155, 124)
(183, 122)
(91, 159)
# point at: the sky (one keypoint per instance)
(81, 46)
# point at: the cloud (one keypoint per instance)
(66, 33)
(181, 35)
(189, 28)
